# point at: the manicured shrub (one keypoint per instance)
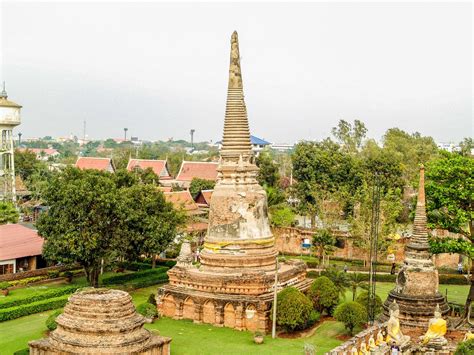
(147, 310)
(51, 320)
(27, 280)
(352, 314)
(41, 295)
(465, 348)
(25, 351)
(293, 309)
(152, 299)
(4, 285)
(363, 299)
(52, 274)
(324, 294)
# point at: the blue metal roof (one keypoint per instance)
(259, 141)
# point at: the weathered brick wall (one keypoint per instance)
(289, 240)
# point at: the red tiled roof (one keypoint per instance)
(158, 166)
(204, 197)
(197, 169)
(17, 241)
(181, 199)
(47, 151)
(94, 163)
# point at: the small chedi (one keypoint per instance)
(416, 291)
(233, 285)
(100, 321)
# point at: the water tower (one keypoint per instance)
(9, 118)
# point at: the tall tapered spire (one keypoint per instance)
(419, 239)
(236, 140)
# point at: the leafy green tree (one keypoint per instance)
(110, 143)
(281, 216)
(324, 242)
(275, 196)
(26, 164)
(465, 348)
(410, 150)
(363, 299)
(339, 278)
(197, 185)
(450, 195)
(350, 136)
(96, 216)
(324, 294)
(8, 213)
(268, 170)
(352, 314)
(467, 146)
(294, 309)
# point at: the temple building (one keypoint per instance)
(233, 285)
(416, 291)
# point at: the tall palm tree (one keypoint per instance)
(356, 280)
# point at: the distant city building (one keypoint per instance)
(282, 147)
(159, 167)
(103, 164)
(258, 144)
(450, 147)
(9, 118)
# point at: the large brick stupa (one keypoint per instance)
(233, 285)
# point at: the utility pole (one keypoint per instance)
(374, 237)
(275, 300)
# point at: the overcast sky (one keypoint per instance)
(161, 69)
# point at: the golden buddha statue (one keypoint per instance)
(437, 328)
(394, 333)
(468, 336)
(363, 349)
(379, 340)
(372, 345)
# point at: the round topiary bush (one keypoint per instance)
(152, 299)
(352, 314)
(465, 348)
(147, 310)
(363, 299)
(324, 294)
(51, 320)
(294, 310)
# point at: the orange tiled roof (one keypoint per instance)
(165, 188)
(197, 169)
(17, 241)
(181, 199)
(204, 197)
(104, 164)
(158, 166)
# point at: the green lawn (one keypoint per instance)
(189, 338)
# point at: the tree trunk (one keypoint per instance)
(470, 295)
(94, 277)
(153, 260)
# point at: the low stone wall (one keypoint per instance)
(356, 341)
(37, 272)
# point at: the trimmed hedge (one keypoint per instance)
(120, 279)
(138, 266)
(35, 307)
(53, 293)
(443, 278)
(51, 320)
